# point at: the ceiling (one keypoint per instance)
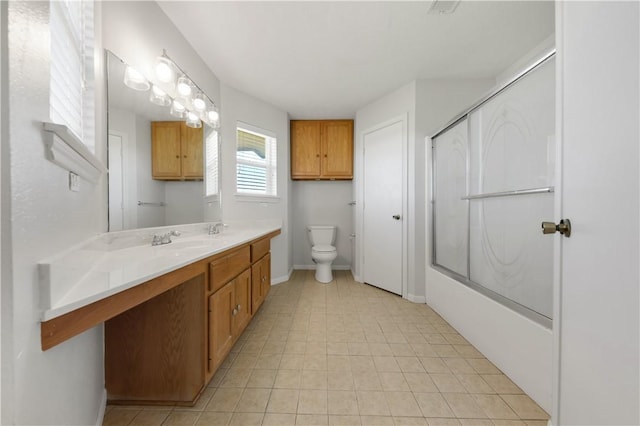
(328, 59)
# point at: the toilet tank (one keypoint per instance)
(322, 235)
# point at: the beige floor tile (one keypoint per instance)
(335, 420)
(442, 422)
(510, 423)
(459, 366)
(283, 401)
(409, 364)
(314, 362)
(361, 363)
(402, 349)
(447, 383)
(483, 366)
(337, 348)
(464, 406)
(358, 348)
(246, 419)
(224, 400)
(501, 384)
(245, 360)
(445, 351)
(372, 403)
(474, 383)
(476, 422)
(150, 417)
(208, 418)
(314, 379)
(386, 363)
(291, 362)
(367, 380)
(273, 347)
(340, 380)
(298, 347)
(420, 382)
(262, 379)
(288, 379)
(236, 378)
(119, 416)
(468, 351)
(253, 400)
(434, 365)
(536, 422)
(408, 421)
(312, 402)
(495, 407)
(423, 349)
(433, 405)
(435, 338)
(342, 403)
(217, 378)
(380, 349)
(312, 419)
(182, 418)
(402, 404)
(276, 419)
(268, 361)
(525, 407)
(377, 420)
(393, 381)
(338, 362)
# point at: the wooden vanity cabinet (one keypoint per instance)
(176, 151)
(321, 149)
(260, 281)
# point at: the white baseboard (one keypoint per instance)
(416, 299)
(313, 267)
(102, 408)
(282, 279)
(356, 278)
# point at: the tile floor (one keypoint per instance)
(347, 353)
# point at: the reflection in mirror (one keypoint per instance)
(158, 166)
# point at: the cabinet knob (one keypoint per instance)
(234, 312)
(184, 156)
(239, 307)
(177, 156)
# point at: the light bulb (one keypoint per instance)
(164, 69)
(213, 115)
(159, 96)
(193, 120)
(199, 102)
(184, 86)
(178, 110)
(135, 80)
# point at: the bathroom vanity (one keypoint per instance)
(172, 313)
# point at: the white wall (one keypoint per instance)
(184, 202)
(322, 203)
(598, 305)
(238, 106)
(65, 383)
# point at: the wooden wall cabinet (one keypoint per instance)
(321, 149)
(176, 151)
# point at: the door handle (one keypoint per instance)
(396, 216)
(564, 227)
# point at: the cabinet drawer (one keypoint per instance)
(222, 270)
(260, 248)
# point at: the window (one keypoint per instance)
(211, 186)
(256, 155)
(72, 67)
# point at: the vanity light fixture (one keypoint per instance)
(165, 69)
(184, 86)
(159, 96)
(178, 110)
(212, 115)
(193, 120)
(135, 80)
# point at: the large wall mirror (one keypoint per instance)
(145, 187)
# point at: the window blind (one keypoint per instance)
(256, 163)
(72, 74)
(211, 164)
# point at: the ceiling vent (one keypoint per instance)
(443, 7)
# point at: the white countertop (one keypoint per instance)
(113, 262)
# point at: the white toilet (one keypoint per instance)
(323, 252)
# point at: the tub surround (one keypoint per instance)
(111, 263)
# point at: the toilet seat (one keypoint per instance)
(323, 249)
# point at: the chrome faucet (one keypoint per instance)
(159, 240)
(215, 228)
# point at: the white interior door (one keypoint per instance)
(383, 202)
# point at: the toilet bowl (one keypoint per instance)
(323, 252)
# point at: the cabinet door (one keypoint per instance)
(242, 287)
(221, 305)
(192, 149)
(337, 149)
(260, 281)
(165, 149)
(305, 149)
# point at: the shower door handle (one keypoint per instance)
(396, 216)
